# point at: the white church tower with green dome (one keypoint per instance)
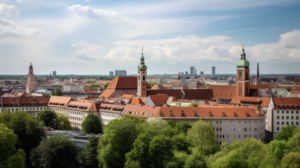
(142, 78)
(243, 75)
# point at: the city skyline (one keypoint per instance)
(87, 37)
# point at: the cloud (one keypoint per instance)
(8, 10)
(96, 13)
(84, 57)
(10, 29)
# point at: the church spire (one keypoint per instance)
(243, 55)
(30, 66)
(142, 65)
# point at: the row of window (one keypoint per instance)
(75, 118)
(75, 112)
(105, 120)
(245, 129)
(245, 122)
(245, 136)
(287, 123)
(287, 117)
(75, 124)
(287, 112)
(108, 115)
(26, 108)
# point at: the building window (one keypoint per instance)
(255, 122)
(287, 123)
(245, 129)
(216, 122)
(249, 122)
(297, 123)
(255, 136)
(239, 122)
(292, 112)
(227, 136)
(287, 117)
(282, 123)
(282, 117)
(245, 136)
(220, 136)
(220, 129)
(220, 122)
(297, 112)
(240, 75)
(282, 112)
(278, 128)
(239, 136)
(217, 129)
(277, 123)
(144, 78)
(277, 112)
(292, 123)
(245, 122)
(277, 117)
(255, 129)
(297, 117)
(287, 112)
(292, 117)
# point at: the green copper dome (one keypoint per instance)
(142, 66)
(243, 63)
(30, 66)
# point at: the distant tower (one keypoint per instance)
(50, 75)
(30, 84)
(142, 78)
(213, 70)
(257, 75)
(243, 75)
(195, 73)
(178, 75)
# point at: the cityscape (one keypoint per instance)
(173, 91)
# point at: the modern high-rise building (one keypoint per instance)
(182, 73)
(111, 73)
(201, 73)
(186, 72)
(192, 71)
(195, 72)
(120, 73)
(213, 70)
(54, 73)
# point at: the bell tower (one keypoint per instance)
(243, 75)
(30, 84)
(142, 78)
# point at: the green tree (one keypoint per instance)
(17, 82)
(182, 127)
(10, 157)
(160, 151)
(105, 85)
(192, 104)
(291, 160)
(88, 81)
(91, 124)
(288, 88)
(202, 136)
(62, 122)
(48, 117)
(29, 130)
(87, 158)
(286, 132)
(118, 140)
(93, 85)
(56, 92)
(152, 83)
(195, 160)
(56, 151)
(46, 94)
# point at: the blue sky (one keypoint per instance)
(95, 37)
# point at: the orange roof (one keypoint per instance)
(155, 87)
(286, 103)
(59, 101)
(106, 93)
(160, 99)
(111, 108)
(124, 82)
(223, 91)
(190, 94)
(137, 101)
(192, 112)
(129, 96)
(261, 101)
(260, 87)
(82, 106)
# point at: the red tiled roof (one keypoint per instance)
(127, 96)
(223, 91)
(159, 100)
(137, 101)
(260, 87)
(261, 101)
(286, 103)
(190, 94)
(124, 82)
(106, 93)
(82, 106)
(10, 101)
(111, 108)
(143, 110)
(59, 101)
(34, 100)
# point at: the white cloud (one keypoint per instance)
(8, 10)
(10, 29)
(96, 13)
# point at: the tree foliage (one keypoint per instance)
(29, 130)
(48, 117)
(152, 83)
(10, 157)
(62, 122)
(56, 151)
(93, 85)
(286, 132)
(105, 85)
(56, 92)
(91, 124)
(87, 158)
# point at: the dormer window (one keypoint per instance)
(182, 113)
(161, 114)
(210, 114)
(247, 115)
(224, 115)
(171, 114)
(235, 115)
(195, 114)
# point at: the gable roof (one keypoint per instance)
(286, 103)
(59, 101)
(223, 91)
(106, 93)
(124, 82)
(129, 96)
(82, 106)
(261, 101)
(190, 94)
(260, 87)
(137, 101)
(160, 99)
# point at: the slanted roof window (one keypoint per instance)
(195, 114)
(182, 114)
(171, 113)
(235, 115)
(247, 115)
(210, 114)
(224, 115)
(142, 113)
(161, 114)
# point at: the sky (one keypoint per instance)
(98, 36)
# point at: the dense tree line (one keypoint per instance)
(54, 120)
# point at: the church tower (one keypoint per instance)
(30, 84)
(142, 78)
(243, 75)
